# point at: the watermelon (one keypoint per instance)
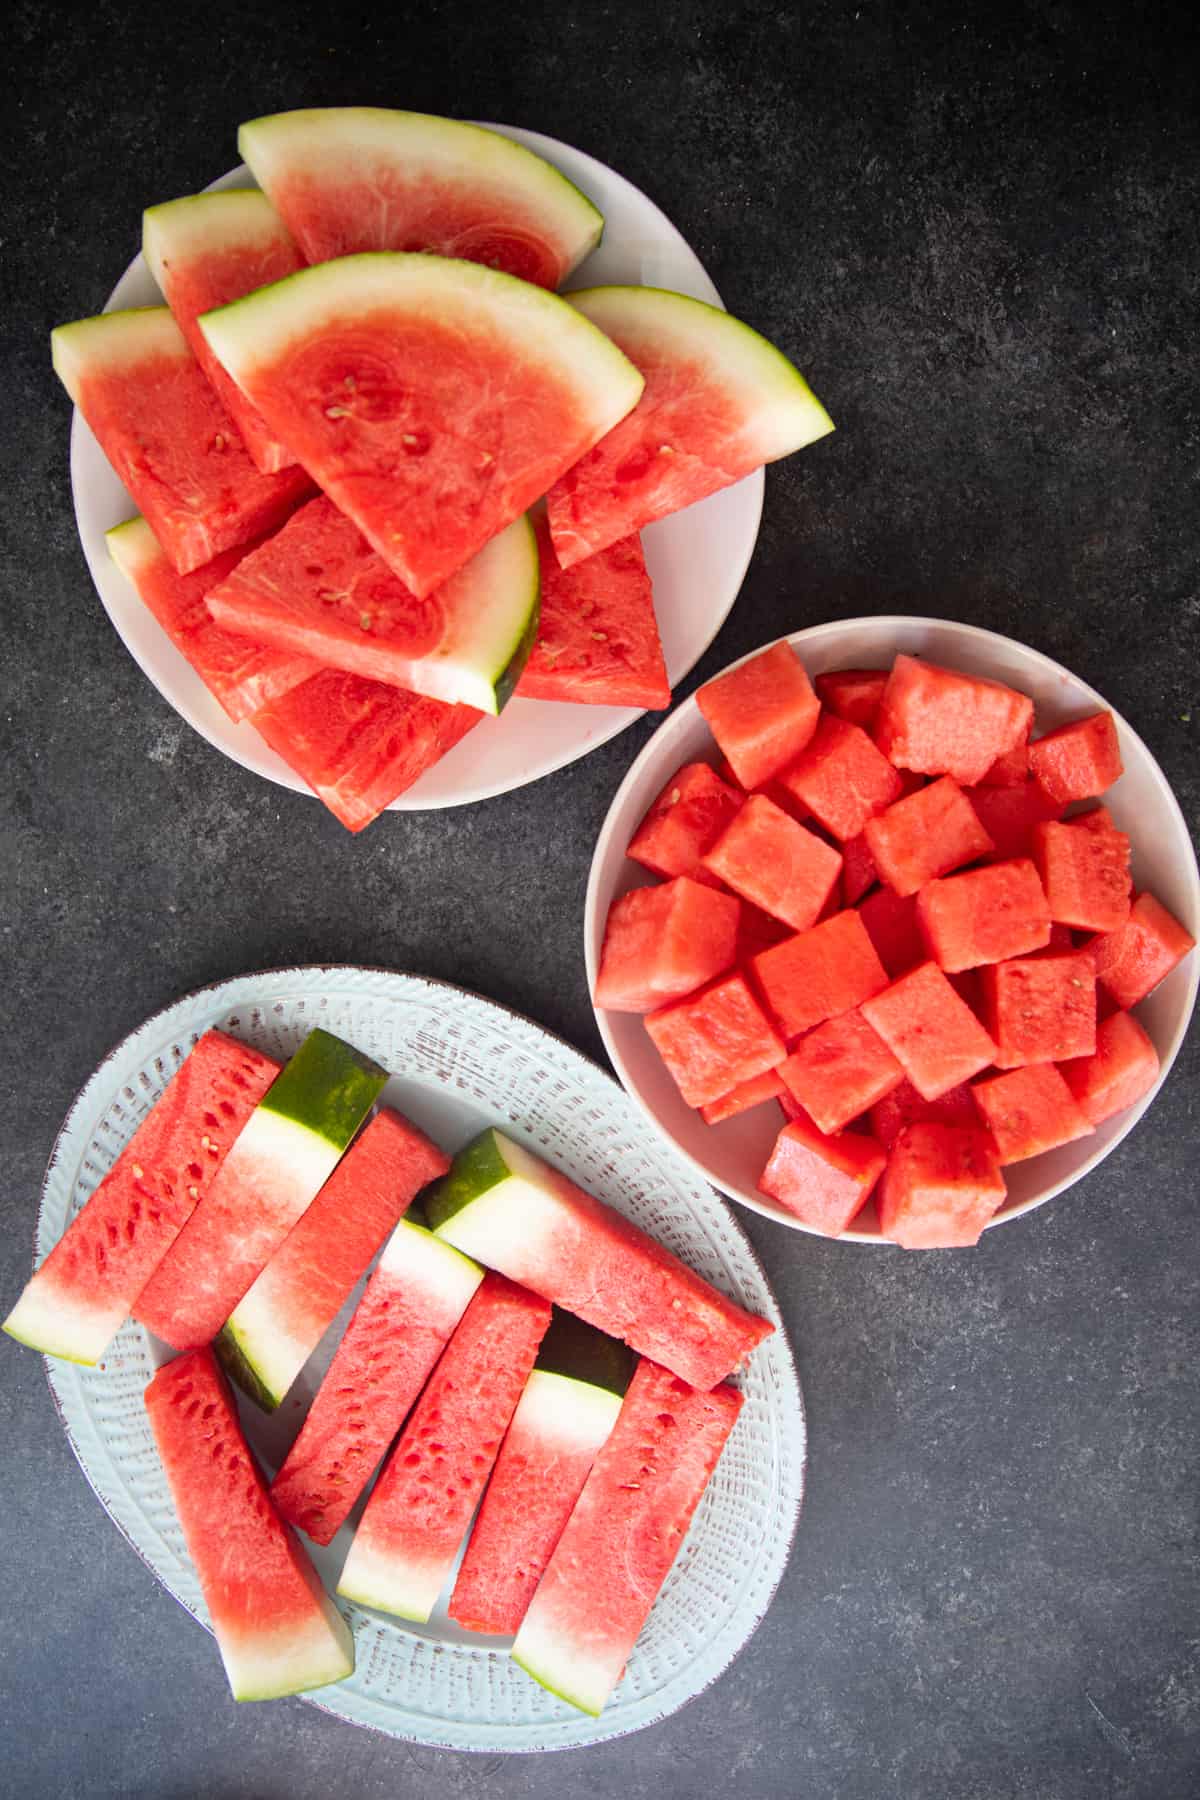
(1078, 761)
(622, 1538)
(1029, 1110)
(277, 1630)
(205, 251)
(1040, 1009)
(663, 942)
(890, 920)
(280, 1320)
(1085, 872)
(567, 1410)
(1132, 960)
(287, 1150)
(351, 178)
(853, 694)
(930, 1031)
(359, 744)
(742, 1097)
(823, 1181)
(169, 436)
(1009, 814)
(597, 641)
(715, 1039)
(719, 401)
(859, 874)
(942, 722)
(409, 1309)
(941, 1186)
(1122, 1068)
(826, 970)
(508, 1209)
(984, 915)
(77, 1300)
(841, 778)
(903, 1106)
(421, 1505)
(242, 676)
(776, 864)
(1010, 770)
(762, 713)
(925, 835)
(837, 1071)
(433, 401)
(685, 820)
(318, 589)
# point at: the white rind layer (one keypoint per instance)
(272, 1663)
(200, 224)
(390, 1582)
(563, 1414)
(514, 1225)
(114, 342)
(446, 1277)
(133, 547)
(560, 1663)
(74, 1331)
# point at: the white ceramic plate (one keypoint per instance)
(732, 1155)
(458, 1062)
(697, 558)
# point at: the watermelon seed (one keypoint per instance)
(601, 637)
(349, 382)
(336, 412)
(194, 1192)
(364, 620)
(666, 450)
(138, 1171)
(218, 442)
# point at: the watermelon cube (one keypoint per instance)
(941, 722)
(775, 864)
(686, 820)
(1085, 872)
(824, 1181)
(819, 973)
(925, 835)
(1124, 1065)
(663, 942)
(984, 915)
(716, 1040)
(1078, 761)
(853, 694)
(1010, 770)
(859, 873)
(1132, 960)
(891, 922)
(903, 1107)
(941, 1186)
(762, 713)
(930, 1031)
(1030, 1110)
(741, 1098)
(839, 1070)
(1041, 1008)
(841, 778)
(1009, 814)
(758, 931)
(1096, 818)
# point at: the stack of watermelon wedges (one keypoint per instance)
(518, 1342)
(387, 477)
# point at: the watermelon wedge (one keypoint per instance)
(567, 1410)
(719, 401)
(205, 251)
(433, 401)
(511, 1211)
(317, 589)
(287, 1150)
(276, 1628)
(242, 676)
(350, 178)
(421, 1505)
(83, 1291)
(623, 1536)
(168, 434)
(280, 1320)
(597, 642)
(410, 1307)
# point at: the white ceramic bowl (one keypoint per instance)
(732, 1155)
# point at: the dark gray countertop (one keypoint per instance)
(980, 239)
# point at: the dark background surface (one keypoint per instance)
(977, 233)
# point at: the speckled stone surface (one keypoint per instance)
(979, 236)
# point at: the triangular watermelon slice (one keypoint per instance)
(434, 401)
(205, 251)
(351, 178)
(719, 402)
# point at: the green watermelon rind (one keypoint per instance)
(327, 1088)
(238, 1366)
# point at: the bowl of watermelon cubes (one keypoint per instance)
(890, 930)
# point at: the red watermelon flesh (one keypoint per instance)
(924, 835)
(597, 640)
(930, 1031)
(685, 820)
(420, 1507)
(841, 778)
(1029, 1110)
(819, 973)
(942, 722)
(1009, 814)
(903, 1106)
(891, 924)
(762, 713)
(358, 744)
(1132, 960)
(1124, 1065)
(824, 1181)
(715, 1040)
(775, 864)
(1010, 770)
(853, 694)
(740, 1099)
(1041, 1008)
(242, 676)
(941, 1186)
(663, 942)
(984, 915)
(840, 1069)
(1079, 761)
(1085, 872)
(90, 1281)
(859, 874)
(277, 1630)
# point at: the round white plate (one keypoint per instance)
(697, 559)
(732, 1155)
(458, 1062)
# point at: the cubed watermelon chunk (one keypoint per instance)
(1132, 960)
(1010, 770)
(824, 1181)
(924, 835)
(1085, 872)
(1030, 1110)
(1125, 1065)
(686, 820)
(891, 922)
(930, 1031)
(1079, 761)
(840, 1069)
(903, 1107)
(942, 722)
(859, 873)
(663, 942)
(853, 694)
(1041, 1008)
(777, 865)
(819, 973)
(762, 713)
(740, 1099)
(841, 778)
(941, 1186)
(716, 1040)
(1009, 814)
(984, 915)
